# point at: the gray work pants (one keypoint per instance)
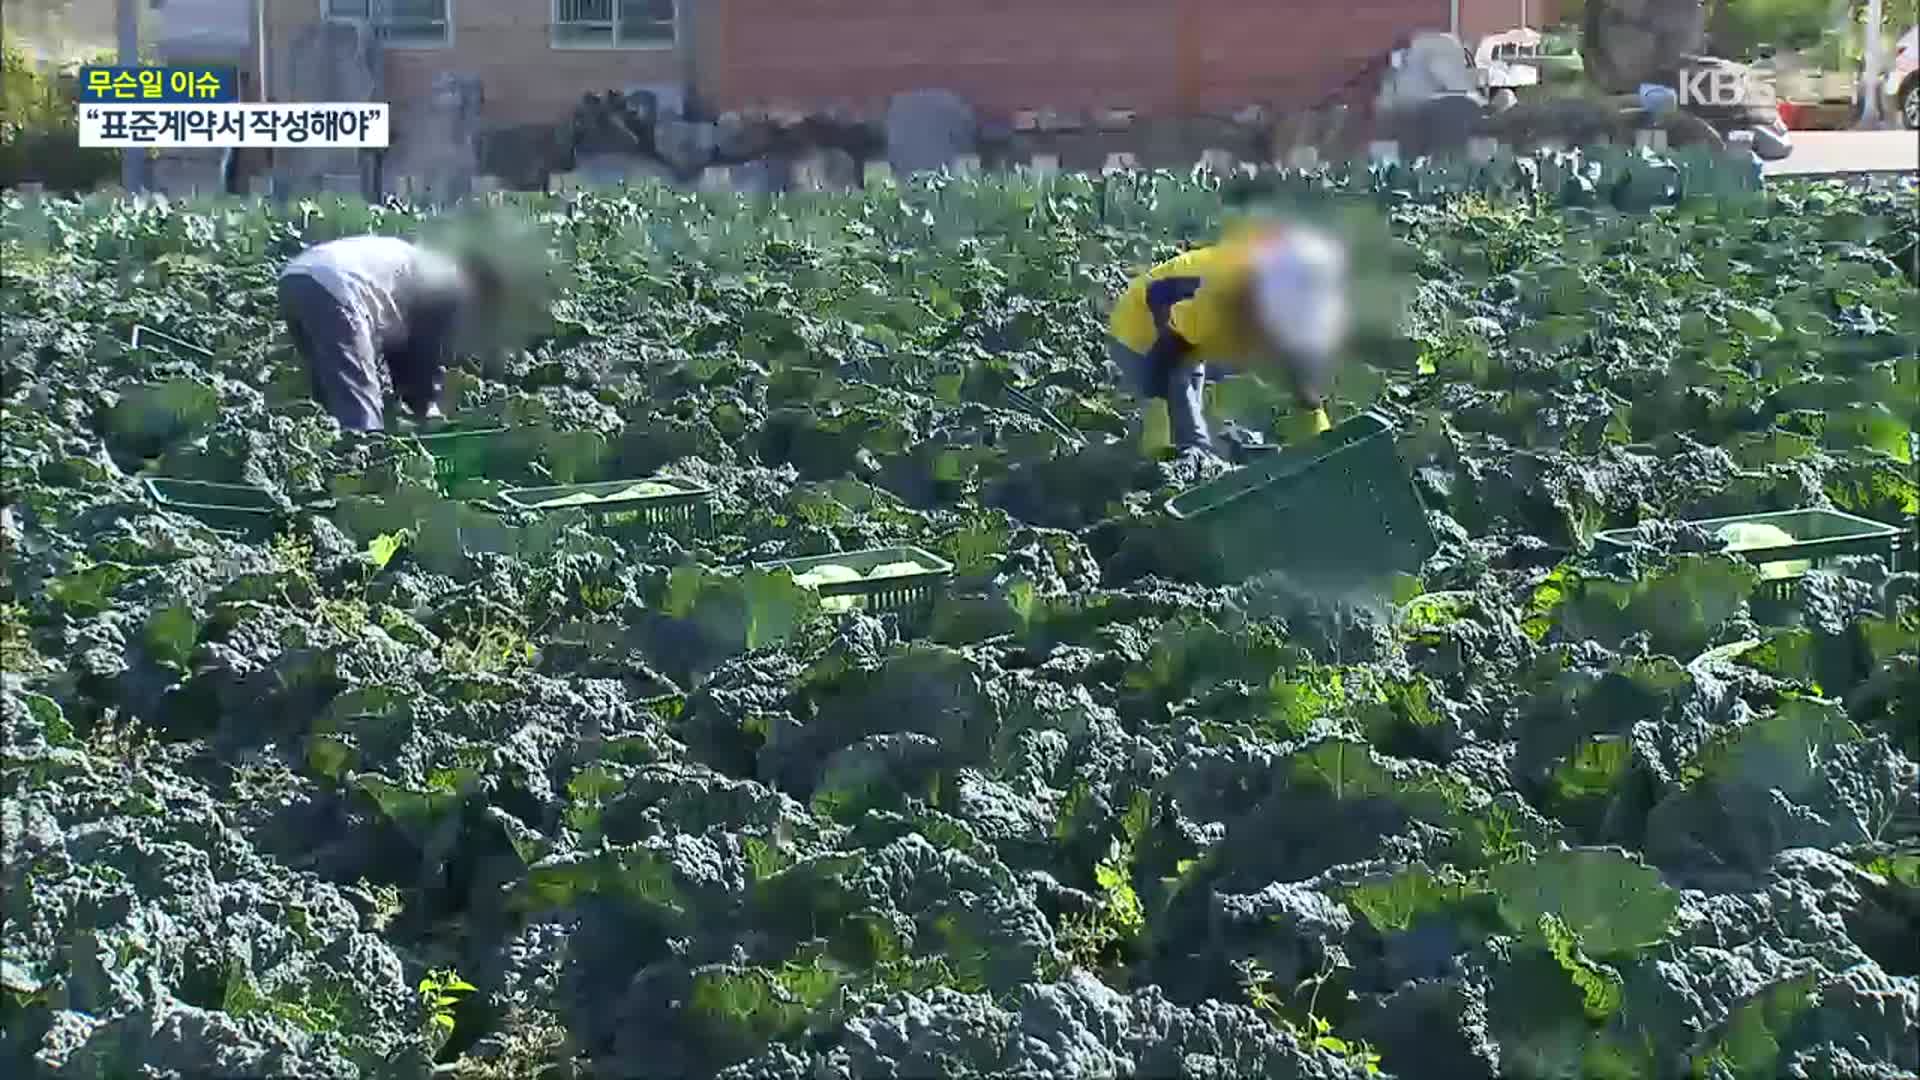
(336, 340)
(1184, 390)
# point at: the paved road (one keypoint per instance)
(1850, 151)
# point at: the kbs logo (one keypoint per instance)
(1722, 87)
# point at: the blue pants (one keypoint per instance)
(1183, 388)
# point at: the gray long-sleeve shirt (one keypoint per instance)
(384, 280)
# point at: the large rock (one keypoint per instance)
(436, 145)
(1576, 121)
(669, 99)
(826, 169)
(928, 129)
(687, 147)
(612, 170)
(1439, 127)
(524, 156)
(740, 137)
(615, 122)
(328, 61)
(1432, 65)
(185, 173)
(763, 176)
(840, 128)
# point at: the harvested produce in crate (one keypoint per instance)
(1752, 536)
(831, 574)
(834, 573)
(646, 489)
(827, 574)
(1759, 536)
(896, 569)
(578, 498)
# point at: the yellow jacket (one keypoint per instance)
(1202, 296)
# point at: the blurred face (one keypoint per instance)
(1300, 299)
(486, 290)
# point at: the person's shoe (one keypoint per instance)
(1241, 445)
(1198, 453)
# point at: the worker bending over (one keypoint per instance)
(1270, 298)
(354, 303)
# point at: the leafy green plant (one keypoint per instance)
(1311, 1028)
(824, 835)
(1397, 902)
(534, 1046)
(1599, 985)
(1749, 1044)
(441, 991)
(1099, 939)
(491, 650)
(40, 134)
(316, 1010)
(387, 904)
(17, 652)
(1616, 905)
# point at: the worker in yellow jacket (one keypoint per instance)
(1269, 299)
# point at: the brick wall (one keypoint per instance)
(1156, 56)
(507, 44)
(1479, 18)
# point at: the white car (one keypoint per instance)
(1902, 86)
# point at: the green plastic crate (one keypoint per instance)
(143, 335)
(1338, 512)
(687, 512)
(1286, 462)
(1820, 536)
(909, 593)
(230, 509)
(460, 453)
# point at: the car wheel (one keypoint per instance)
(1910, 105)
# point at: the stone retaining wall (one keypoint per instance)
(1220, 161)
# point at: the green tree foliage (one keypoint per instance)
(39, 130)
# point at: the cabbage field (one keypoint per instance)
(396, 782)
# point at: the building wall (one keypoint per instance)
(207, 31)
(1159, 57)
(1155, 56)
(1479, 18)
(507, 44)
